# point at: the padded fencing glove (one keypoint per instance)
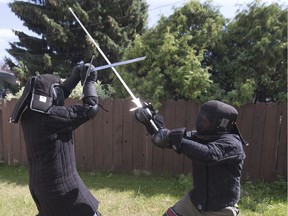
(88, 74)
(146, 114)
(161, 138)
(70, 83)
(88, 79)
(165, 138)
(175, 138)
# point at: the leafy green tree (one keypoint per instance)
(252, 57)
(196, 54)
(61, 43)
(178, 54)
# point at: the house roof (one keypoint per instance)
(8, 77)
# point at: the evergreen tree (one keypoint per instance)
(61, 43)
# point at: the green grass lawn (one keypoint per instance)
(137, 194)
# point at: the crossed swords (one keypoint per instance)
(110, 65)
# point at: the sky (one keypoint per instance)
(9, 21)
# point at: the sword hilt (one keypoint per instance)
(146, 115)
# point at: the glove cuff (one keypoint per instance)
(161, 138)
(175, 138)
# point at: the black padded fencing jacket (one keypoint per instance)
(54, 182)
(217, 164)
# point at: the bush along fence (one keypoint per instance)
(115, 141)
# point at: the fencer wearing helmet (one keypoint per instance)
(47, 124)
(217, 155)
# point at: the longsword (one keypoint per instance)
(135, 100)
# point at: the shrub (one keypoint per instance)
(103, 92)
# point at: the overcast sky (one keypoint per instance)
(156, 8)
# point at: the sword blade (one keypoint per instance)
(119, 63)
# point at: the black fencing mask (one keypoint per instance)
(220, 117)
(46, 92)
(40, 93)
(217, 118)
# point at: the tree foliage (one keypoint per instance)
(60, 43)
(197, 54)
(193, 54)
(252, 63)
(177, 55)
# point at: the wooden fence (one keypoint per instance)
(115, 141)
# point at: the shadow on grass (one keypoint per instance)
(148, 185)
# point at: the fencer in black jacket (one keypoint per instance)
(47, 125)
(217, 155)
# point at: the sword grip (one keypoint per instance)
(154, 125)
